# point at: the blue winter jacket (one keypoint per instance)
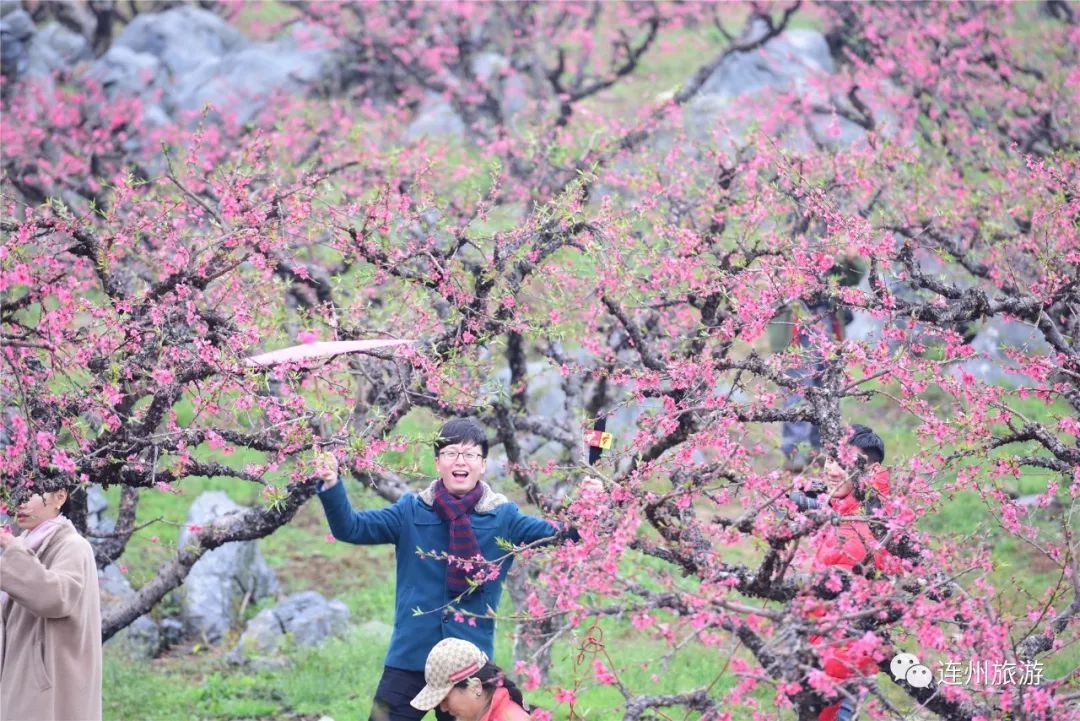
(412, 524)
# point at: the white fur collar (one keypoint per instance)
(487, 503)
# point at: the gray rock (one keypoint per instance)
(183, 59)
(548, 399)
(223, 578)
(782, 63)
(1016, 335)
(508, 85)
(140, 639)
(172, 632)
(725, 106)
(863, 327)
(123, 71)
(437, 118)
(96, 503)
(98, 524)
(181, 38)
(16, 34)
(54, 48)
(992, 366)
(242, 81)
(307, 617)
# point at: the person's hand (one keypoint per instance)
(590, 485)
(326, 470)
(6, 537)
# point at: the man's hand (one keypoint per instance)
(6, 538)
(326, 470)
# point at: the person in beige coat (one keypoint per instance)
(50, 619)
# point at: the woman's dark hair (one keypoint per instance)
(462, 430)
(492, 677)
(870, 443)
(68, 504)
(75, 502)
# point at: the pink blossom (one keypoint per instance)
(565, 696)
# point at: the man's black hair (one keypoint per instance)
(462, 430)
(870, 443)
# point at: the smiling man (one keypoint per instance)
(454, 521)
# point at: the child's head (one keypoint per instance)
(461, 455)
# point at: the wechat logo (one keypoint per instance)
(906, 667)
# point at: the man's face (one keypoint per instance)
(460, 466)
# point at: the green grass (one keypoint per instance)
(336, 679)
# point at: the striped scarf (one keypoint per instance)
(463, 544)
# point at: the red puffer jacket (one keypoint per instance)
(848, 545)
(852, 543)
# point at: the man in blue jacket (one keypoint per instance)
(456, 518)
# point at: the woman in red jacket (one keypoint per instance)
(850, 545)
(462, 682)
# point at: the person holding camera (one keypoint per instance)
(50, 619)
(853, 545)
(848, 544)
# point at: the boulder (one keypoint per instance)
(185, 58)
(16, 36)
(225, 577)
(241, 82)
(172, 632)
(437, 118)
(141, 638)
(181, 38)
(992, 366)
(96, 505)
(306, 617)
(724, 108)
(784, 62)
(54, 48)
(126, 72)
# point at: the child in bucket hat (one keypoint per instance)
(462, 682)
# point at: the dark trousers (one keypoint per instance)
(397, 688)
